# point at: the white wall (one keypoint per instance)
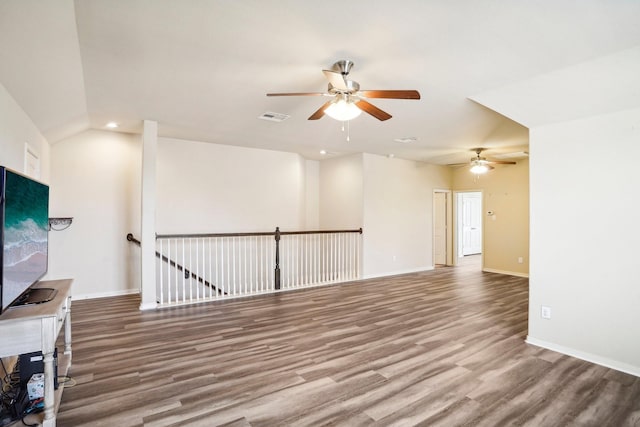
(312, 194)
(584, 239)
(398, 214)
(16, 129)
(206, 188)
(341, 193)
(96, 180)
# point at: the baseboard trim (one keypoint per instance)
(598, 360)
(510, 273)
(106, 294)
(397, 273)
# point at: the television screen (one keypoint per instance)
(24, 213)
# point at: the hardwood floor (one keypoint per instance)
(439, 348)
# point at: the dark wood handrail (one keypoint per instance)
(359, 231)
(177, 266)
(266, 233)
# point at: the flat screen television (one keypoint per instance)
(24, 234)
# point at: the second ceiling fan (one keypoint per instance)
(480, 165)
(348, 101)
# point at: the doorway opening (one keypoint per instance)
(469, 233)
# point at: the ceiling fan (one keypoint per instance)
(480, 165)
(348, 101)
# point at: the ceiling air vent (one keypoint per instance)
(274, 117)
(406, 139)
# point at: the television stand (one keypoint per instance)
(36, 328)
(36, 296)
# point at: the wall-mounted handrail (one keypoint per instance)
(177, 266)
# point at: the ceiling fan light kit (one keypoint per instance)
(342, 109)
(479, 168)
(348, 100)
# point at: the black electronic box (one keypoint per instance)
(33, 363)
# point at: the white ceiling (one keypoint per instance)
(201, 68)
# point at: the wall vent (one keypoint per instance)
(273, 117)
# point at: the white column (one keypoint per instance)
(148, 217)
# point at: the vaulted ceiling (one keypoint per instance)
(201, 69)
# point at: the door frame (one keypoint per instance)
(457, 228)
(449, 227)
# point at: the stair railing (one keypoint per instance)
(187, 273)
(203, 267)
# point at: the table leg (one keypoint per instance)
(67, 330)
(49, 414)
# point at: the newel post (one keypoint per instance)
(277, 272)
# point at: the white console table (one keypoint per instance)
(30, 328)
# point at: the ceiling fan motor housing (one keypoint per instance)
(343, 66)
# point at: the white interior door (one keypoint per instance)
(471, 223)
(440, 228)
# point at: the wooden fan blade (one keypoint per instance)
(393, 94)
(319, 112)
(297, 94)
(373, 110)
(500, 162)
(336, 79)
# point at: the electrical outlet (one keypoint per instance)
(545, 312)
(520, 260)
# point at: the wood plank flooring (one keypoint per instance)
(438, 348)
